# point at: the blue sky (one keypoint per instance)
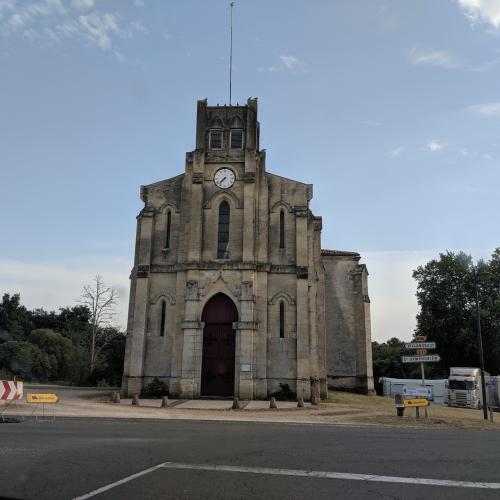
(390, 108)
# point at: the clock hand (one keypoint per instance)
(222, 180)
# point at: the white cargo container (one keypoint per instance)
(393, 386)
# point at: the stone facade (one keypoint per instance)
(302, 314)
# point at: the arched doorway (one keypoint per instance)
(217, 365)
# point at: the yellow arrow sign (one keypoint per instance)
(421, 352)
(415, 402)
(42, 398)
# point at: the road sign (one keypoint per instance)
(11, 390)
(430, 358)
(418, 392)
(421, 352)
(42, 398)
(415, 402)
(420, 345)
(420, 338)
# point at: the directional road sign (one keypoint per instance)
(42, 398)
(420, 345)
(430, 358)
(418, 392)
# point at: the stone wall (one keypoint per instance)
(347, 310)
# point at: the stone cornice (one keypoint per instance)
(144, 271)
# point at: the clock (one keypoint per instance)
(224, 178)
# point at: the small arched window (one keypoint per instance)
(169, 226)
(163, 318)
(282, 320)
(223, 232)
(282, 229)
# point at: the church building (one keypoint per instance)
(231, 293)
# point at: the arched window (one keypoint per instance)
(223, 233)
(163, 318)
(282, 229)
(282, 320)
(169, 224)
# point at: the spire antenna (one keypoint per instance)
(231, 56)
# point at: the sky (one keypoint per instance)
(391, 109)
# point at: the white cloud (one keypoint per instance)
(99, 28)
(482, 11)
(53, 285)
(50, 21)
(396, 152)
(291, 62)
(286, 62)
(82, 4)
(486, 109)
(435, 145)
(437, 58)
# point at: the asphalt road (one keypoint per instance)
(68, 458)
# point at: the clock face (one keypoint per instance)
(224, 178)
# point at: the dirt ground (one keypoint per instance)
(340, 409)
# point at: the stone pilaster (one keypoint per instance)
(192, 333)
(196, 208)
(137, 341)
(303, 350)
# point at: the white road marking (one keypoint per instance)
(93, 493)
(297, 472)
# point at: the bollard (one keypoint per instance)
(272, 403)
(400, 408)
(164, 401)
(236, 404)
(115, 398)
(300, 403)
(135, 400)
(315, 400)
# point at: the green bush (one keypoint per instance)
(155, 389)
(285, 393)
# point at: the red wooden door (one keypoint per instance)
(217, 366)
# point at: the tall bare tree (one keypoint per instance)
(101, 301)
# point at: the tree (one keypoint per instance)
(15, 319)
(446, 296)
(100, 300)
(59, 349)
(25, 360)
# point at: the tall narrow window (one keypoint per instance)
(169, 224)
(163, 317)
(216, 138)
(282, 320)
(236, 138)
(282, 229)
(223, 233)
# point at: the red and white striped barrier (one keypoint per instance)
(11, 390)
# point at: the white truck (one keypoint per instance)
(464, 387)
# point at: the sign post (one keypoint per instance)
(421, 346)
(42, 399)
